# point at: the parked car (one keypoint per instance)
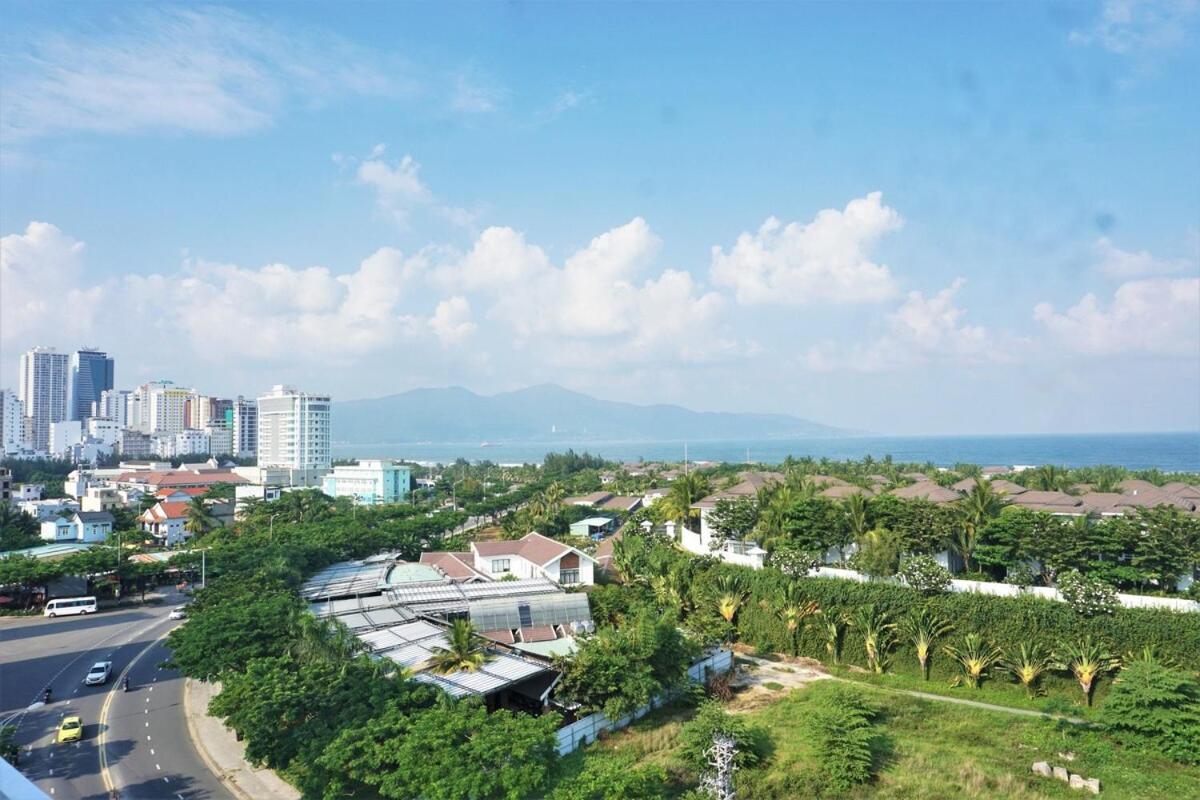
(179, 612)
(99, 673)
(70, 730)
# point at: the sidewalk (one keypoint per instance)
(223, 753)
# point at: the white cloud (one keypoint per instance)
(1129, 26)
(199, 69)
(472, 98)
(499, 258)
(1156, 316)
(921, 330)
(399, 190)
(1117, 263)
(824, 261)
(451, 321)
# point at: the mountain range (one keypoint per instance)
(547, 413)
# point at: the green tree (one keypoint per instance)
(877, 631)
(1088, 661)
(980, 505)
(452, 751)
(975, 656)
(922, 628)
(1155, 708)
(17, 529)
(734, 519)
(794, 610)
(200, 519)
(878, 553)
(730, 593)
(711, 720)
(684, 491)
(618, 777)
(1168, 545)
(464, 651)
(1027, 666)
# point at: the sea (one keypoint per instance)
(1169, 452)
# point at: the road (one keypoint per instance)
(136, 742)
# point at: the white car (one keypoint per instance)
(179, 612)
(99, 673)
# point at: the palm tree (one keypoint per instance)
(463, 651)
(200, 519)
(685, 490)
(1028, 665)
(794, 611)
(974, 658)
(1049, 478)
(981, 504)
(835, 633)
(324, 640)
(922, 627)
(731, 595)
(624, 559)
(856, 515)
(774, 502)
(1088, 661)
(877, 635)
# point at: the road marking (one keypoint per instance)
(157, 767)
(151, 751)
(147, 699)
(148, 739)
(51, 790)
(147, 724)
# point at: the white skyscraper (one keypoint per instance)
(43, 390)
(293, 434)
(113, 404)
(12, 423)
(159, 407)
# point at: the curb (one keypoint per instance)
(198, 743)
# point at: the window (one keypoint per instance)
(568, 577)
(500, 565)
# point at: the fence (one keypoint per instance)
(588, 729)
(1009, 590)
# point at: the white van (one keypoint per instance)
(66, 606)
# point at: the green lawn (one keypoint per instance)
(923, 749)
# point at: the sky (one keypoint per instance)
(899, 217)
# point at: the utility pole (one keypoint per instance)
(203, 569)
(118, 570)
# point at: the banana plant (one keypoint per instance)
(975, 657)
(922, 628)
(1088, 661)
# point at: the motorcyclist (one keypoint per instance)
(125, 683)
(46, 695)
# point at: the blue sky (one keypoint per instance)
(908, 218)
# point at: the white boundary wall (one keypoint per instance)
(587, 729)
(1008, 590)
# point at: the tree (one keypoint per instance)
(815, 524)
(878, 553)
(451, 751)
(922, 628)
(685, 490)
(975, 656)
(1168, 544)
(711, 720)
(614, 778)
(734, 519)
(924, 574)
(980, 505)
(17, 529)
(877, 632)
(857, 513)
(464, 652)
(794, 611)
(1088, 661)
(731, 593)
(834, 629)
(840, 727)
(1027, 665)
(1155, 708)
(200, 519)
(1048, 478)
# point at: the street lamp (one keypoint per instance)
(271, 528)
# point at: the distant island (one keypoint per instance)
(547, 413)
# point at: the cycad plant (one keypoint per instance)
(1088, 661)
(1027, 665)
(974, 657)
(922, 628)
(794, 611)
(878, 635)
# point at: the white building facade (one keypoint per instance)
(369, 482)
(12, 425)
(43, 391)
(245, 427)
(294, 434)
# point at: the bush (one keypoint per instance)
(842, 734)
(711, 720)
(1086, 594)
(925, 575)
(1156, 709)
(617, 778)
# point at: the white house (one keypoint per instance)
(166, 521)
(707, 543)
(534, 556)
(48, 509)
(82, 526)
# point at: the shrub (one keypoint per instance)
(1086, 594)
(710, 720)
(617, 778)
(878, 553)
(925, 575)
(842, 734)
(1156, 709)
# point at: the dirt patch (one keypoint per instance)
(759, 682)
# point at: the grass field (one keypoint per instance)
(922, 749)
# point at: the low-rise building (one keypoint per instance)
(165, 522)
(534, 556)
(593, 527)
(27, 491)
(88, 527)
(48, 509)
(369, 482)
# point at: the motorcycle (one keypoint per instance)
(46, 696)
(125, 683)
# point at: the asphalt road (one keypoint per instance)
(136, 742)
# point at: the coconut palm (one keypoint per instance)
(463, 652)
(1088, 661)
(877, 632)
(923, 627)
(730, 595)
(856, 515)
(981, 504)
(1028, 664)
(324, 640)
(774, 501)
(1049, 478)
(793, 610)
(200, 519)
(685, 491)
(975, 657)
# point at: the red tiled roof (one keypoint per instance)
(191, 491)
(538, 633)
(456, 566)
(165, 511)
(532, 547)
(504, 636)
(179, 477)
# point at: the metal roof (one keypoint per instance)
(57, 550)
(523, 612)
(347, 579)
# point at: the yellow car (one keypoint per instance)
(70, 730)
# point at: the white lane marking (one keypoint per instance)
(151, 751)
(152, 688)
(147, 699)
(51, 790)
(148, 739)
(52, 770)
(147, 724)
(157, 767)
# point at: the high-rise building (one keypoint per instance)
(293, 433)
(43, 390)
(91, 373)
(12, 427)
(159, 407)
(113, 404)
(63, 436)
(245, 427)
